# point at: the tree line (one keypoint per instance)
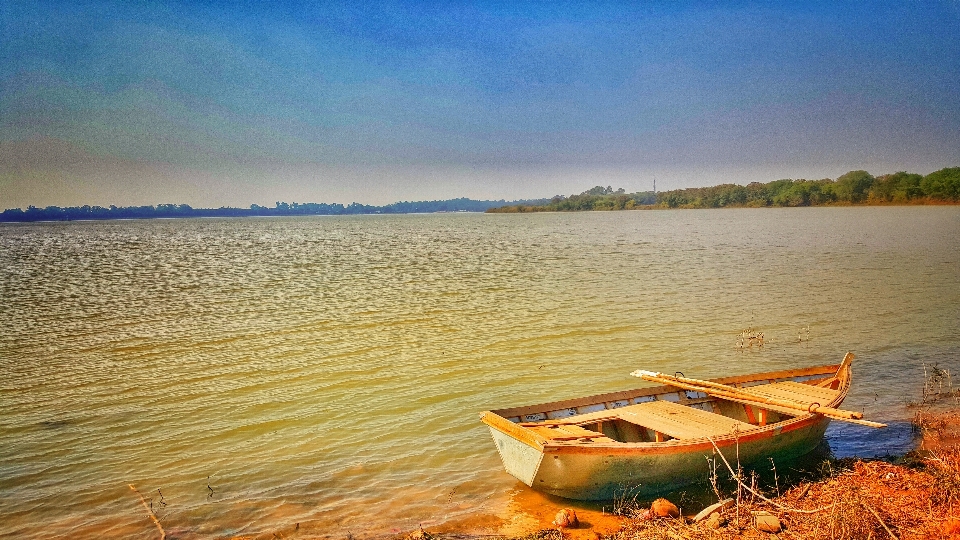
(72, 213)
(854, 187)
(597, 198)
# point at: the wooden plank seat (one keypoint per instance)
(662, 417)
(567, 432)
(679, 421)
(583, 418)
(794, 391)
(683, 422)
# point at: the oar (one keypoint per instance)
(735, 394)
(804, 406)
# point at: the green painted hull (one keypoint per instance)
(643, 468)
(652, 440)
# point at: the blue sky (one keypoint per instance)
(212, 104)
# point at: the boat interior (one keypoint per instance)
(663, 413)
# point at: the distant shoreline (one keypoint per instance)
(653, 207)
(199, 214)
(166, 211)
(855, 188)
(504, 210)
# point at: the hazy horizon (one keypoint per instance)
(213, 105)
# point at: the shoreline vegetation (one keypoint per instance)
(853, 188)
(91, 213)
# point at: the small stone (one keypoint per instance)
(420, 535)
(715, 521)
(643, 515)
(767, 522)
(566, 518)
(664, 508)
(713, 509)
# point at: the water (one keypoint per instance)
(329, 371)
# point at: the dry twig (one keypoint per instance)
(760, 495)
(876, 515)
(163, 534)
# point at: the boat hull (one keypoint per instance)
(644, 469)
(652, 440)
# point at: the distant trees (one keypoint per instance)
(600, 190)
(802, 193)
(56, 213)
(596, 198)
(854, 187)
(900, 187)
(75, 213)
(943, 184)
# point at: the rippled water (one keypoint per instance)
(328, 371)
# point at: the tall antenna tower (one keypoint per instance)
(654, 185)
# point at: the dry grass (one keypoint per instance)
(945, 469)
(872, 499)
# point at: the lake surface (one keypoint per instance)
(250, 374)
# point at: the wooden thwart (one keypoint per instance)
(680, 421)
(663, 417)
(567, 432)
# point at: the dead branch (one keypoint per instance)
(163, 534)
(759, 495)
(874, 512)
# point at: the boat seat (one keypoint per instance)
(568, 432)
(679, 421)
(794, 391)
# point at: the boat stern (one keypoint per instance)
(520, 460)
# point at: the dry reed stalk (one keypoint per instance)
(876, 515)
(760, 496)
(873, 498)
(163, 534)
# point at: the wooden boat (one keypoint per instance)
(649, 440)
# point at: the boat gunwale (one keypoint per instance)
(497, 419)
(661, 389)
